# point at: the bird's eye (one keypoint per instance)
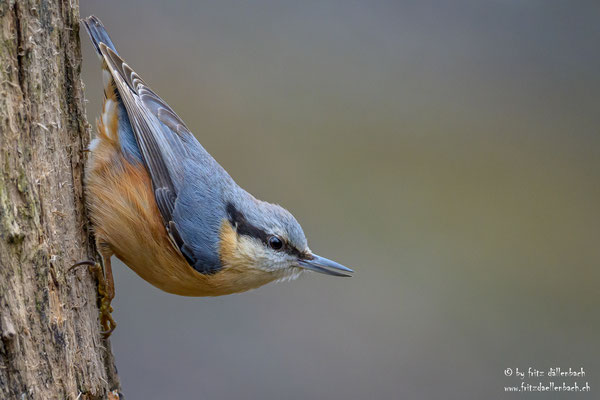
(275, 243)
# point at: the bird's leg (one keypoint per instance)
(106, 287)
(106, 290)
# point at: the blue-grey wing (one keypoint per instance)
(177, 164)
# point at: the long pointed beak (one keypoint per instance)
(324, 266)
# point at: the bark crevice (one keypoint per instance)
(19, 46)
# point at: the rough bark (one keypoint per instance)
(51, 346)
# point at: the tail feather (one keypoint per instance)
(98, 33)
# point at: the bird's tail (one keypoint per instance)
(97, 33)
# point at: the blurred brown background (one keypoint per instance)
(447, 151)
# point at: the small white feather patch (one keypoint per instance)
(109, 109)
(106, 78)
(290, 274)
(93, 144)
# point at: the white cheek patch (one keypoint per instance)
(107, 114)
(251, 250)
(254, 254)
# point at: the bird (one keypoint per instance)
(164, 206)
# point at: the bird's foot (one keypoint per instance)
(106, 295)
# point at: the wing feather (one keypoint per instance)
(162, 149)
(181, 171)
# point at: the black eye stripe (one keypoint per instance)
(293, 251)
(243, 227)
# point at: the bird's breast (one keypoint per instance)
(126, 218)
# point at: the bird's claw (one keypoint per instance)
(106, 320)
(90, 263)
(106, 295)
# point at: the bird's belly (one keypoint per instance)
(126, 219)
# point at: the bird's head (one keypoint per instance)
(267, 239)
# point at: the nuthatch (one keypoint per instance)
(167, 209)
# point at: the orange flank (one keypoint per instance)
(128, 224)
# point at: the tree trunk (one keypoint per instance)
(50, 346)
